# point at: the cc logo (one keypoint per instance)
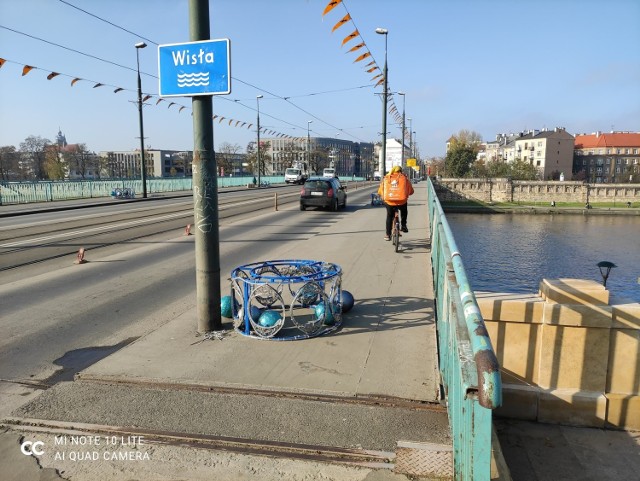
(30, 448)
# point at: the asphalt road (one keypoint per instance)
(58, 317)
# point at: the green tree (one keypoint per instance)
(55, 166)
(462, 152)
(523, 170)
(9, 166)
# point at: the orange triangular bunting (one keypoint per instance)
(332, 4)
(351, 36)
(26, 69)
(52, 75)
(362, 57)
(359, 46)
(344, 20)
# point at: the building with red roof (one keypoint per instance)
(608, 157)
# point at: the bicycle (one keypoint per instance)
(395, 230)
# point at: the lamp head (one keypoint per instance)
(141, 45)
(382, 31)
(259, 96)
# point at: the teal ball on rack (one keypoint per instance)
(269, 318)
(255, 313)
(321, 310)
(225, 307)
(347, 301)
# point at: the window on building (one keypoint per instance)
(608, 161)
(618, 151)
(540, 143)
(627, 151)
(601, 151)
(617, 170)
(539, 153)
(618, 161)
(635, 151)
(584, 161)
(608, 151)
(591, 152)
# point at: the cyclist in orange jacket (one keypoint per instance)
(395, 190)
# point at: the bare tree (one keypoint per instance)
(225, 155)
(79, 159)
(33, 151)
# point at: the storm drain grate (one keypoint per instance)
(424, 459)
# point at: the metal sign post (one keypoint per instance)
(200, 69)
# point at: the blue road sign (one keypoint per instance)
(195, 68)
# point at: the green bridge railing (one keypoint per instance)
(468, 365)
(48, 191)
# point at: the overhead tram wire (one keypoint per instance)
(107, 21)
(286, 99)
(233, 78)
(68, 48)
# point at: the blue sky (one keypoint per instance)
(488, 66)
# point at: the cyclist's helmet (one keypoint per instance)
(396, 169)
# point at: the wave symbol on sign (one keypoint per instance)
(193, 79)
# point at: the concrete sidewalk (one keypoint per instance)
(364, 398)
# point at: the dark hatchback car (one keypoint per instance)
(323, 192)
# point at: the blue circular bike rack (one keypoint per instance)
(286, 299)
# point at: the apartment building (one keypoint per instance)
(612, 157)
(550, 151)
(347, 157)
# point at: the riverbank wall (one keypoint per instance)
(499, 190)
(568, 354)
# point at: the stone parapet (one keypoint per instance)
(506, 190)
(567, 356)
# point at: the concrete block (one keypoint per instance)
(575, 408)
(574, 291)
(519, 402)
(624, 362)
(516, 347)
(510, 307)
(626, 315)
(583, 315)
(573, 358)
(623, 411)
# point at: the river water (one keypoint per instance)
(513, 253)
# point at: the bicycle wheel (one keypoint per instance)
(396, 234)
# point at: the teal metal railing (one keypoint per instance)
(468, 365)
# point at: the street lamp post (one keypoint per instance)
(403, 128)
(309, 122)
(410, 137)
(383, 157)
(258, 97)
(143, 166)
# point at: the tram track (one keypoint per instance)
(37, 242)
